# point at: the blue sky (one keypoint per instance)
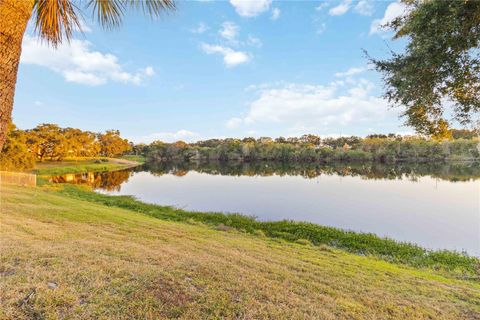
(217, 69)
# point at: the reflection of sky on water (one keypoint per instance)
(431, 212)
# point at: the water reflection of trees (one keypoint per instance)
(109, 181)
(453, 171)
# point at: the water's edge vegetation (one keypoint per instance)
(68, 258)
(459, 264)
(84, 165)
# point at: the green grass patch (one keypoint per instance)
(52, 168)
(67, 258)
(366, 244)
(132, 157)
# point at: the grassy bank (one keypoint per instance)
(359, 243)
(82, 165)
(455, 263)
(65, 257)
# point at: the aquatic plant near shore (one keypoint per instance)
(460, 264)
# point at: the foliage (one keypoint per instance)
(111, 144)
(441, 63)
(310, 148)
(46, 141)
(15, 154)
(51, 142)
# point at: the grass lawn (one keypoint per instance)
(82, 165)
(67, 258)
(132, 157)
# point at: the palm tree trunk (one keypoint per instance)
(14, 16)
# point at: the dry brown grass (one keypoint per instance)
(78, 260)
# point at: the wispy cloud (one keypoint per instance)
(229, 31)
(231, 58)
(340, 9)
(321, 27)
(254, 41)
(250, 8)
(364, 7)
(180, 135)
(77, 62)
(201, 28)
(350, 72)
(275, 13)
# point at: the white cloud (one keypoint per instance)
(254, 41)
(250, 8)
(365, 7)
(341, 9)
(312, 107)
(183, 135)
(322, 5)
(201, 28)
(229, 31)
(275, 13)
(321, 28)
(234, 123)
(394, 10)
(231, 58)
(350, 72)
(38, 103)
(77, 62)
(149, 71)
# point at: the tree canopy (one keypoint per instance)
(51, 142)
(436, 78)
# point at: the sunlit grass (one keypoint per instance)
(82, 165)
(354, 242)
(75, 259)
(132, 157)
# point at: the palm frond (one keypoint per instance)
(153, 8)
(109, 13)
(55, 20)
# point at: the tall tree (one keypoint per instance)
(55, 21)
(47, 142)
(111, 144)
(440, 66)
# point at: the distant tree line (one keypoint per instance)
(51, 142)
(312, 148)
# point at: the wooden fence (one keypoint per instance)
(18, 178)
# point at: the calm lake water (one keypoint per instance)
(435, 206)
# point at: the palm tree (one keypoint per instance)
(54, 20)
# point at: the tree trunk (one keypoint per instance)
(14, 16)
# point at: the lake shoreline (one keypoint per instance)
(293, 231)
(92, 259)
(369, 244)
